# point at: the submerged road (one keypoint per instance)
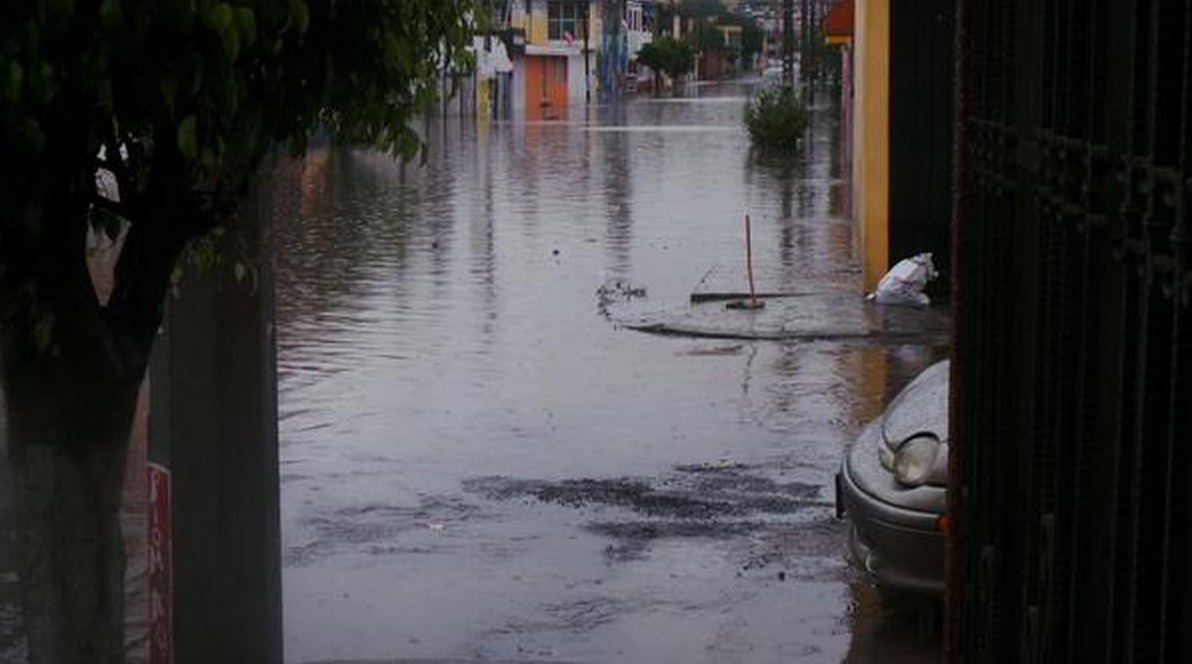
(482, 459)
(511, 434)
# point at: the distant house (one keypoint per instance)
(493, 77)
(566, 51)
(839, 30)
(640, 20)
(554, 68)
(715, 61)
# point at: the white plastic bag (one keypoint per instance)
(904, 283)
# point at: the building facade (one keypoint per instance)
(570, 51)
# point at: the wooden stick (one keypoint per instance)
(749, 264)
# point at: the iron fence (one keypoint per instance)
(1072, 407)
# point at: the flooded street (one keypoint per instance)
(481, 460)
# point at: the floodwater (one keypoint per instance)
(480, 461)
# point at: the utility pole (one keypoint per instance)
(815, 41)
(587, 26)
(805, 66)
(614, 57)
(214, 404)
(788, 42)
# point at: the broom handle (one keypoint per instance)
(749, 263)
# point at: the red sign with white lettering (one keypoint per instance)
(161, 567)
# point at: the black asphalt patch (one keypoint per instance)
(717, 501)
(693, 492)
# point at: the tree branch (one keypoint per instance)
(142, 281)
(118, 208)
(166, 215)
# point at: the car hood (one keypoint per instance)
(920, 408)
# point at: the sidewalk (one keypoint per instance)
(825, 310)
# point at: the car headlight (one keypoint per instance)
(915, 460)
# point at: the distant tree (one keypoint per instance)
(668, 55)
(753, 40)
(179, 104)
(776, 118)
(707, 36)
(702, 9)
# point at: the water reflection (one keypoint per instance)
(437, 324)
(615, 154)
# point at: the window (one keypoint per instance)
(565, 20)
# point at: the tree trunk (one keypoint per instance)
(72, 363)
(70, 405)
(69, 464)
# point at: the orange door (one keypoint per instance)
(546, 88)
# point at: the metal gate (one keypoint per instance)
(1072, 405)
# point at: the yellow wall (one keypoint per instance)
(484, 99)
(535, 25)
(871, 132)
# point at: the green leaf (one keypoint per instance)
(110, 15)
(41, 83)
(210, 157)
(205, 252)
(301, 14)
(188, 141)
(169, 93)
(12, 78)
(191, 75)
(238, 90)
(219, 17)
(103, 93)
(33, 36)
(246, 21)
(31, 136)
(231, 44)
(62, 7)
(43, 331)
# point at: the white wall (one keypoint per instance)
(576, 88)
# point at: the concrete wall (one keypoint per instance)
(871, 136)
(922, 113)
(577, 88)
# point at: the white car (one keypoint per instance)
(893, 486)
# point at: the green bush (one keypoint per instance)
(776, 118)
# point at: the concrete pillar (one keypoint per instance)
(871, 131)
(214, 406)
